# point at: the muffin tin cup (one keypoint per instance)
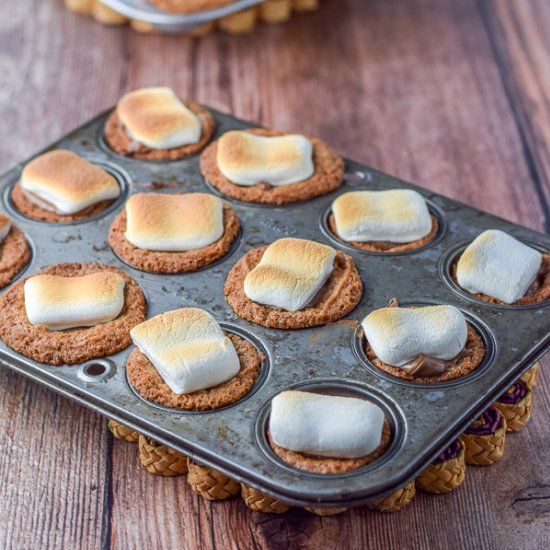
(231, 441)
(481, 328)
(452, 256)
(121, 176)
(344, 245)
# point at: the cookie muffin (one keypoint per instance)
(183, 359)
(397, 220)
(326, 434)
(61, 186)
(499, 269)
(70, 313)
(293, 283)
(424, 344)
(268, 167)
(173, 233)
(154, 124)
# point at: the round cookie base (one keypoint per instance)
(328, 176)
(337, 298)
(326, 465)
(70, 346)
(15, 254)
(466, 362)
(35, 212)
(118, 140)
(146, 380)
(542, 294)
(383, 246)
(172, 262)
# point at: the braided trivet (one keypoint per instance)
(262, 503)
(161, 460)
(516, 414)
(326, 511)
(120, 431)
(397, 500)
(531, 376)
(209, 483)
(445, 476)
(483, 450)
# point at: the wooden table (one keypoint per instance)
(453, 95)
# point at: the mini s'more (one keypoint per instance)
(499, 266)
(173, 232)
(393, 220)
(72, 312)
(184, 359)
(263, 166)
(326, 433)
(427, 344)
(325, 425)
(188, 348)
(157, 118)
(247, 159)
(62, 186)
(290, 273)
(173, 223)
(60, 303)
(155, 124)
(293, 283)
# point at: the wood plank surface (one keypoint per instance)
(450, 95)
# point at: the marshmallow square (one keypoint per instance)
(188, 348)
(325, 425)
(157, 118)
(173, 222)
(397, 216)
(60, 303)
(247, 159)
(66, 183)
(498, 265)
(398, 335)
(5, 227)
(290, 273)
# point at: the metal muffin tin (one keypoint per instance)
(169, 22)
(425, 418)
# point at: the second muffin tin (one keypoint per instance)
(425, 418)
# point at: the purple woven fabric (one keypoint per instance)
(488, 423)
(515, 394)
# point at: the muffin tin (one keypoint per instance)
(425, 418)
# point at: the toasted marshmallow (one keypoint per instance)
(188, 348)
(60, 303)
(290, 273)
(399, 335)
(63, 182)
(499, 266)
(5, 227)
(158, 119)
(325, 425)
(397, 216)
(247, 159)
(173, 223)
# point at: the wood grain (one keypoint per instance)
(451, 95)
